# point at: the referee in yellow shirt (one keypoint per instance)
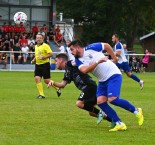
(42, 64)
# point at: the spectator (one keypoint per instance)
(31, 43)
(51, 34)
(70, 56)
(35, 29)
(31, 49)
(57, 30)
(1, 42)
(16, 57)
(3, 58)
(16, 39)
(45, 28)
(5, 28)
(145, 60)
(134, 62)
(23, 41)
(11, 29)
(31, 40)
(12, 43)
(25, 50)
(58, 38)
(61, 48)
(5, 47)
(21, 28)
(27, 29)
(17, 29)
(6, 43)
(125, 49)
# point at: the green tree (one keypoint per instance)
(101, 18)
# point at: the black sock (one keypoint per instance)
(108, 119)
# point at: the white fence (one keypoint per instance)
(30, 67)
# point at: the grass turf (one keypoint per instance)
(25, 120)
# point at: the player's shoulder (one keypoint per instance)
(94, 47)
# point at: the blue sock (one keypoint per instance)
(134, 77)
(123, 104)
(109, 111)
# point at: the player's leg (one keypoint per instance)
(126, 69)
(114, 86)
(102, 99)
(87, 100)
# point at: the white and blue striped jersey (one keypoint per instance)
(119, 47)
(93, 53)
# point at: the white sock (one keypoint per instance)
(136, 111)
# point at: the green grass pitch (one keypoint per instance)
(25, 120)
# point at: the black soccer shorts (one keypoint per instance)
(89, 95)
(43, 70)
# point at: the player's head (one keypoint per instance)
(61, 60)
(115, 38)
(76, 48)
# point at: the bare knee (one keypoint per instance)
(80, 104)
(101, 99)
(129, 74)
(46, 81)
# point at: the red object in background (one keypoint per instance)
(5, 28)
(35, 29)
(11, 28)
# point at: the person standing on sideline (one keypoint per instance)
(70, 56)
(42, 67)
(145, 60)
(123, 62)
(87, 99)
(91, 59)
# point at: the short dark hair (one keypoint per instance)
(76, 42)
(116, 35)
(62, 55)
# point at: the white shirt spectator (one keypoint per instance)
(62, 49)
(25, 49)
(71, 57)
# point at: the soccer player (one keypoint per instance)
(91, 59)
(87, 99)
(123, 62)
(42, 68)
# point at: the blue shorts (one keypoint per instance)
(124, 65)
(111, 87)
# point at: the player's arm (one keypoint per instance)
(57, 84)
(91, 67)
(110, 51)
(118, 53)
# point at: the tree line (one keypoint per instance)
(100, 19)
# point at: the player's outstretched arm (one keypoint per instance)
(57, 84)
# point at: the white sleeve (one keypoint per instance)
(102, 46)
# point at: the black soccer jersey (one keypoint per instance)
(81, 81)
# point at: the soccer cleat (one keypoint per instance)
(112, 125)
(119, 127)
(140, 116)
(40, 97)
(100, 116)
(58, 92)
(141, 84)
